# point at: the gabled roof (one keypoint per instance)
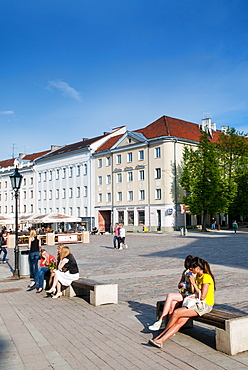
(168, 126)
(74, 147)
(109, 143)
(27, 157)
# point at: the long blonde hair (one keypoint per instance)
(64, 252)
(32, 234)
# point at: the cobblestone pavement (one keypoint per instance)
(42, 333)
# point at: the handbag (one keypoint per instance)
(191, 300)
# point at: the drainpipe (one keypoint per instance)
(112, 187)
(149, 202)
(175, 184)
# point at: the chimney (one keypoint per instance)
(21, 155)
(54, 147)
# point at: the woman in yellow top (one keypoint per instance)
(203, 286)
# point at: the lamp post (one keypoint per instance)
(16, 179)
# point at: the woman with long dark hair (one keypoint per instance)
(203, 285)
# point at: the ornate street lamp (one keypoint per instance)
(16, 180)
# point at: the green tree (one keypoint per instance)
(233, 153)
(201, 179)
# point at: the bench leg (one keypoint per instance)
(104, 294)
(234, 339)
(68, 292)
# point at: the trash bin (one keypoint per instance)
(24, 262)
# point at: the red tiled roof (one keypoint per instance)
(109, 143)
(75, 146)
(168, 126)
(7, 162)
(27, 157)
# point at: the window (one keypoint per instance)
(6, 209)
(118, 159)
(130, 217)
(31, 194)
(63, 210)
(158, 194)
(119, 177)
(157, 173)
(57, 210)
(85, 191)
(24, 182)
(57, 193)
(50, 175)
(85, 169)
(50, 194)
(39, 195)
(142, 195)
(44, 195)
(99, 162)
(24, 208)
(63, 193)
(45, 177)
(45, 210)
(141, 175)
(70, 211)
(31, 208)
(85, 211)
(64, 173)
(0, 185)
(31, 180)
(157, 152)
(108, 197)
(99, 180)
(108, 162)
(78, 170)
(130, 195)
(70, 192)
(57, 174)
(12, 209)
(119, 196)
(99, 197)
(78, 192)
(24, 195)
(129, 157)
(78, 211)
(70, 171)
(121, 217)
(141, 155)
(130, 176)
(141, 217)
(1, 196)
(108, 179)
(50, 210)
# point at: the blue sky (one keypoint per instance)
(73, 69)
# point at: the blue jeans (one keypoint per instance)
(4, 250)
(116, 240)
(41, 274)
(34, 265)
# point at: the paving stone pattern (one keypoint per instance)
(37, 332)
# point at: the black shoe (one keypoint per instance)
(39, 290)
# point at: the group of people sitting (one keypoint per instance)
(63, 269)
(196, 297)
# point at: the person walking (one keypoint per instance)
(116, 236)
(235, 226)
(122, 234)
(3, 243)
(213, 223)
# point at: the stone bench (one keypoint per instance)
(98, 292)
(231, 328)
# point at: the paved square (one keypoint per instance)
(41, 333)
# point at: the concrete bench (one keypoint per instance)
(98, 292)
(231, 328)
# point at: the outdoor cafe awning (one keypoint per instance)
(6, 220)
(53, 218)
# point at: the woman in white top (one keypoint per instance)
(122, 234)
